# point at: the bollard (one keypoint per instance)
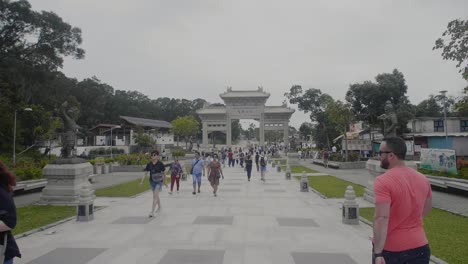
(350, 214)
(304, 183)
(287, 175)
(278, 168)
(85, 207)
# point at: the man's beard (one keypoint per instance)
(384, 164)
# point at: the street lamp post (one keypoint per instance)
(444, 97)
(14, 134)
(112, 139)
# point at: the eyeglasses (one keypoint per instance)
(382, 152)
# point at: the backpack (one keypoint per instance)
(262, 162)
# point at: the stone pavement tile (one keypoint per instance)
(133, 220)
(300, 222)
(179, 256)
(69, 256)
(321, 258)
(213, 220)
(275, 190)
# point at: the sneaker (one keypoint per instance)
(214, 194)
(178, 192)
(151, 214)
(193, 193)
(170, 192)
(198, 190)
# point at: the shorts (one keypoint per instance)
(156, 185)
(263, 168)
(196, 178)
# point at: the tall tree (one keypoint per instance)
(454, 45)
(341, 115)
(185, 127)
(313, 101)
(368, 99)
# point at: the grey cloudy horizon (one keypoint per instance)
(195, 49)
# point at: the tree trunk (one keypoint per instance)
(346, 146)
(178, 139)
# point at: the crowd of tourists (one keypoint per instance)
(209, 164)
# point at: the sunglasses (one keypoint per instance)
(382, 152)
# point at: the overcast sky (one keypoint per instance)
(196, 48)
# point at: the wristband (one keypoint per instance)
(377, 255)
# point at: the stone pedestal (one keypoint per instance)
(373, 167)
(64, 182)
(350, 214)
(304, 184)
(85, 207)
(287, 175)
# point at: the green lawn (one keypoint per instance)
(333, 187)
(300, 169)
(447, 234)
(34, 216)
(126, 189)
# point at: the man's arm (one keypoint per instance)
(427, 206)
(381, 215)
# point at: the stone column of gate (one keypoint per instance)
(228, 131)
(262, 130)
(286, 133)
(205, 134)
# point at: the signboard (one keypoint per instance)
(357, 144)
(439, 160)
(409, 147)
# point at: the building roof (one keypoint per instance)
(268, 110)
(437, 134)
(102, 126)
(146, 122)
(425, 118)
(244, 93)
(278, 109)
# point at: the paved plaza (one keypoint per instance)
(249, 222)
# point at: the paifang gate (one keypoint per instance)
(245, 104)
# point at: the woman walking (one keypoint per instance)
(176, 171)
(7, 216)
(155, 168)
(263, 167)
(248, 166)
(214, 173)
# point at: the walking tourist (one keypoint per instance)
(176, 172)
(7, 216)
(230, 158)
(248, 166)
(197, 169)
(214, 173)
(257, 157)
(403, 197)
(263, 167)
(325, 156)
(155, 168)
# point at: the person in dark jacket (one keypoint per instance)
(157, 177)
(7, 214)
(248, 166)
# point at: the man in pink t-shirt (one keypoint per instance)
(403, 197)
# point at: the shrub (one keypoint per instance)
(178, 153)
(25, 174)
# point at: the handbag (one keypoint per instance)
(3, 248)
(157, 177)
